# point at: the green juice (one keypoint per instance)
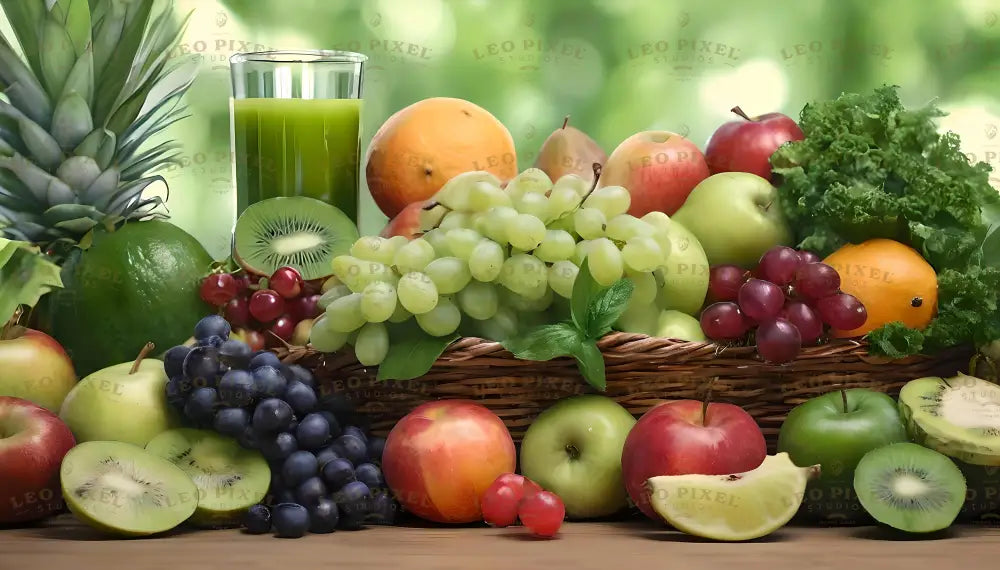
(297, 147)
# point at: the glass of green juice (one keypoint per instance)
(296, 126)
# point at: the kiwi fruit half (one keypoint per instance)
(909, 487)
(958, 416)
(229, 478)
(122, 489)
(300, 232)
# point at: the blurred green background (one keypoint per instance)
(616, 66)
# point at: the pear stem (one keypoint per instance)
(142, 354)
(843, 396)
(740, 112)
(707, 399)
(565, 122)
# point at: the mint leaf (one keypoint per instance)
(25, 275)
(607, 306)
(591, 363)
(412, 352)
(585, 290)
(545, 342)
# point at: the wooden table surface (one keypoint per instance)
(62, 543)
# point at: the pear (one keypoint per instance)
(568, 150)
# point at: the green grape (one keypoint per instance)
(323, 338)
(486, 261)
(332, 294)
(455, 220)
(371, 248)
(624, 227)
(564, 223)
(483, 196)
(643, 254)
(442, 320)
(414, 256)
(526, 232)
(372, 344)
(378, 302)
(417, 293)
(438, 239)
(344, 314)
(660, 221)
(449, 274)
(530, 181)
(400, 315)
(357, 274)
(556, 246)
(612, 200)
(646, 287)
(456, 192)
(461, 242)
(562, 276)
(582, 249)
(533, 204)
(518, 251)
(524, 274)
(524, 304)
(562, 200)
(605, 262)
(573, 182)
(501, 326)
(495, 226)
(479, 300)
(590, 223)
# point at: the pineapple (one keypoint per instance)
(93, 87)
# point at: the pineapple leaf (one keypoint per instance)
(76, 20)
(170, 86)
(34, 179)
(41, 146)
(10, 138)
(148, 126)
(81, 78)
(103, 189)
(64, 212)
(59, 193)
(58, 56)
(5, 148)
(130, 193)
(92, 144)
(78, 226)
(25, 17)
(25, 275)
(79, 172)
(13, 191)
(116, 72)
(71, 121)
(107, 33)
(150, 160)
(23, 89)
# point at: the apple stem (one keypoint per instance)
(5, 332)
(707, 400)
(843, 396)
(740, 112)
(565, 122)
(142, 354)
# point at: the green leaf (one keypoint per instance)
(25, 275)
(77, 23)
(591, 363)
(58, 56)
(585, 290)
(609, 304)
(25, 17)
(545, 342)
(412, 352)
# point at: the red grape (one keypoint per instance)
(724, 321)
(238, 312)
(287, 282)
(529, 486)
(242, 283)
(808, 257)
(284, 327)
(266, 305)
(778, 265)
(302, 308)
(816, 280)
(805, 319)
(724, 282)
(778, 341)
(500, 501)
(761, 300)
(842, 311)
(218, 289)
(542, 513)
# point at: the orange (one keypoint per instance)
(422, 146)
(891, 279)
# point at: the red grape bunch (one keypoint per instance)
(788, 301)
(264, 310)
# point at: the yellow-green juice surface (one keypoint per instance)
(297, 147)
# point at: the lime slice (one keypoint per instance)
(741, 506)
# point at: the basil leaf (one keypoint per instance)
(585, 290)
(607, 306)
(545, 342)
(412, 353)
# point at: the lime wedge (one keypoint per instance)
(741, 506)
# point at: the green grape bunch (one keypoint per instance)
(490, 256)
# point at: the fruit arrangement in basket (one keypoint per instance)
(859, 225)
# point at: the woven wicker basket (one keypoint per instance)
(641, 372)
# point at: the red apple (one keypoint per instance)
(658, 168)
(686, 437)
(406, 223)
(33, 442)
(35, 367)
(443, 455)
(747, 145)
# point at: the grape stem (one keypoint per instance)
(843, 396)
(142, 354)
(707, 399)
(597, 176)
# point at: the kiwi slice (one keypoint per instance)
(122, 489)
(300, 232)
(229, 478)
(958, 416)
(909, 487)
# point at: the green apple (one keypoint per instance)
(683, 279)
(574, 449)
(835, 430)
(736, 217)
(679, 326)
(125, 402)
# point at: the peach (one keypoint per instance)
(659, 169)
(443, 455)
